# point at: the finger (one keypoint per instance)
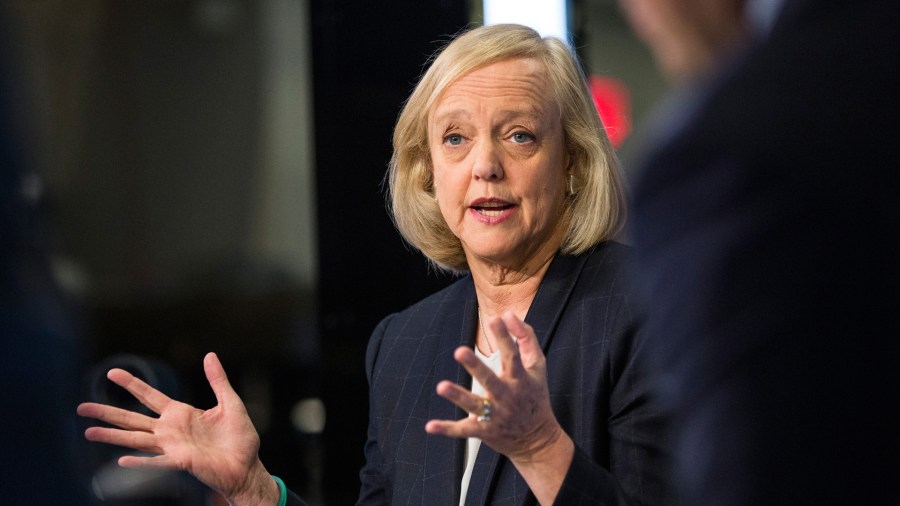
(157, 461)
(463, 398)
(509, 348)
(121, 418)
(135, 440)
(218, 380)
(467, 427)
(478, 369)
(149, 396)
(526, 341)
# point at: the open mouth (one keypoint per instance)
(492, 208)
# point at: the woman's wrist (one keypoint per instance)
(260, 488)
(282, 491)
(545, 469)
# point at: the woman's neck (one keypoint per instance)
(500, 289)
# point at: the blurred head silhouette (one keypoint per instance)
(688, 38)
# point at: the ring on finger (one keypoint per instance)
(486, 411)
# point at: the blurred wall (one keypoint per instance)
(174, 146)
(177, 136)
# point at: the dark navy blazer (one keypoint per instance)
(582, 317)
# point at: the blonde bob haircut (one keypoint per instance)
(595, 197)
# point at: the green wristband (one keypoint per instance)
(282, 491)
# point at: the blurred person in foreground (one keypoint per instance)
(766, 216)
(518, 383)
(40, 340)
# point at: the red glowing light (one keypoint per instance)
(614, 106)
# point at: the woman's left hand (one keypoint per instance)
(522, 425)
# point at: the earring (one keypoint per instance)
(571, 184)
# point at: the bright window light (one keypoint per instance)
(548, 17)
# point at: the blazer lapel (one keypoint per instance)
(484, 474)
(444, 455)
(553, 295)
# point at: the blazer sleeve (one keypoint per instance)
(639, 461)
(373, 485)
(640, 456)
(587, 483)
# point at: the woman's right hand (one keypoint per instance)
(218, 446)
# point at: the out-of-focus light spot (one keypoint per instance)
(308, 416)
(112, 483)
(547, 17)
(613, 103)
(32, 188)
(217, 17)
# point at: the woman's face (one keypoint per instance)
(498, 150)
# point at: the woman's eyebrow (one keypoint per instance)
(532, 114)
(450, 116)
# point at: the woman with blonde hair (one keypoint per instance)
(520, 382)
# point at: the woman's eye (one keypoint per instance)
(453, 139)
(521, 137)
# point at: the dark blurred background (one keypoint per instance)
(185, 176)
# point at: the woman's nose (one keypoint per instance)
(487, 164)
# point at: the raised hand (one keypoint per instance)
(522, 425)
(219, 446)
